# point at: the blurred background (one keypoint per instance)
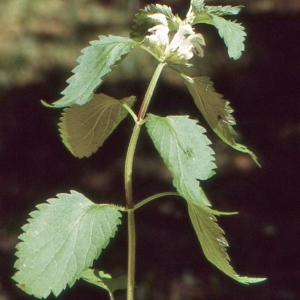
(39, 43)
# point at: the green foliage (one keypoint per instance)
(85, 128)
(186, 152)
(233, 34)
(98, 61)
(64, 236)
(62, 239)
(215, 110)
(142, 22)
(226, 10)
(105, 281)
(197, 6)
(213, 243)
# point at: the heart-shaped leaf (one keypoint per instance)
(85, 128)
(62, 238)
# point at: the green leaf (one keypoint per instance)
(233, 34)
(158, 8)
(197, 6)
(213, 242)
(196, 13)
(226, 10)
(215, 110)
(185, 150)
(62, 238)
(97, 61)
(104, 281)
(85, 128)
(142, 22)
(202, 17)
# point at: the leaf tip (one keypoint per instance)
(44, 103)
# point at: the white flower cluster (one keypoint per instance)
(184, 44)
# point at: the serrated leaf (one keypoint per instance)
(226, 10)
(104, 281)
(62, 238)
(197, 6)
(85, 128)
(233, 34)
(158, 8)
(213, 242)
(196, 13)
(186, 152)
(215, 110)
(142, 22)
(97, 61)
(203, 18)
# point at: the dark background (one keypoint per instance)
(38, 48)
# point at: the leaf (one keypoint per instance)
(85, 128)
(223, 10)
(142, 22)
(202, 18)
(197, 6)
(233, 34)
(97, 61)
(61, 239)
(185, 150)
(213, 242)
(158, 8)
(215, 110)
(196, 13)
(104, 281)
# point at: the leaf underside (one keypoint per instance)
(185, 150)
(213, 242)
(215, 110)
(61, 239)
(97, 61)
(85, 128)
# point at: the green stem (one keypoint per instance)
(128, 165)
(149, 92)
(128, 180)
(131, 255)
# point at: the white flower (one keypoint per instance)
(185, 42)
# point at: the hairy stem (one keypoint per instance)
(128, 180)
